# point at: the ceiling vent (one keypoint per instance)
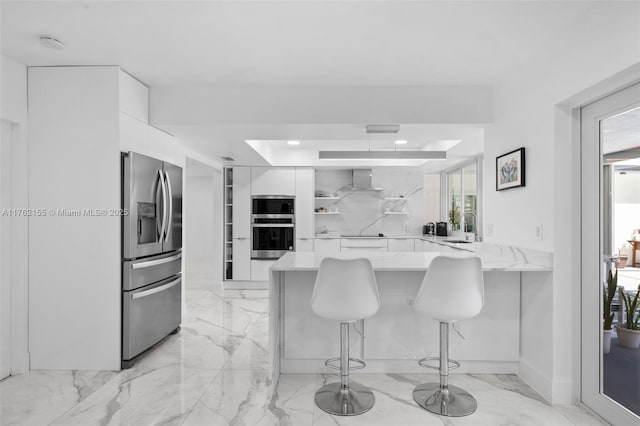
(383, 154)
(383, 128)
(227, 159)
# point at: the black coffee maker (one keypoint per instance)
(441, 229)
(429, 229)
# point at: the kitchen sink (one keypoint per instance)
(458, 241)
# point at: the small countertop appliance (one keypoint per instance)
(429, 229)
(441, 229)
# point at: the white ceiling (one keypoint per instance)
(301, 43)
(241, 43)
(621, 132)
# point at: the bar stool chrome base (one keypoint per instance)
(451, 401)
(354, 400)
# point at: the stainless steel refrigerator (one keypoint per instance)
(151, 253)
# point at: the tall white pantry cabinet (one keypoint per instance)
(80, 119)
(241, 183)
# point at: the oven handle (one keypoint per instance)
(273, 216)
(272, 225)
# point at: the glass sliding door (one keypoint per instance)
(610, 215)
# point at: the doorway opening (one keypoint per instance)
(610, 176)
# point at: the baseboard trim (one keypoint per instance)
(563, 392)
(537, 379)
(408, 366)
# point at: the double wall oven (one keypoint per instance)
(272, 226)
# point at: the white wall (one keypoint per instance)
(190, 105)
(202, 225)
(74, 261)
(13, 108)
(199, 217)
(431, 198)
(527, 114)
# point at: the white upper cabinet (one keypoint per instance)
(273, 181)
(241, 202)
(165, 147)
(134, 97)
(134, 135)
(147, 140)
(304, 203)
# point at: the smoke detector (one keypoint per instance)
(51, 42)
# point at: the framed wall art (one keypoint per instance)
(510, 170)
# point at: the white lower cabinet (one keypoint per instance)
(401, 244)
(241, 259)
(363, 245)
(429, 246)
(327, 246)
(304, 244)
(260, 269)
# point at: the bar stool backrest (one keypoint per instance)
(452, 289)
(345, 290)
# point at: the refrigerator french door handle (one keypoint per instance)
(170, 197)
(164, 207)
(159, 193)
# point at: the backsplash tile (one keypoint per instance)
(363, 212)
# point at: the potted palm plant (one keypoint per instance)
(629, 332)
(608, 293)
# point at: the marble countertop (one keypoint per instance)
(405, 261)
(471, 246)
(336, 235)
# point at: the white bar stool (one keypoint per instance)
(452, 289)
(345, 291)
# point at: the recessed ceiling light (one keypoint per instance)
(401, 142)
(51, 42)
(293, 142)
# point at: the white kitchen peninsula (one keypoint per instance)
(395, 338)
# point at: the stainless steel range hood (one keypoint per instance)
(362, 180)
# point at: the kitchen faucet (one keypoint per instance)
(478, 237)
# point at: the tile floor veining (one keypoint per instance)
(214, 372)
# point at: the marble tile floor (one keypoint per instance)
(214, 372)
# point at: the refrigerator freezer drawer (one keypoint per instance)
(149, 314)
(142, 272)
